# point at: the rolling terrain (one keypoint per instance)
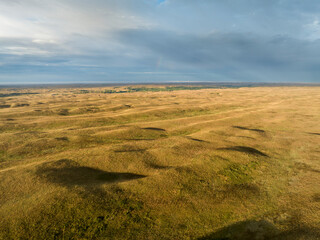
(174, 163)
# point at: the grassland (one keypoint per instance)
(160, 164)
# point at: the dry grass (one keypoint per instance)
(208, 164)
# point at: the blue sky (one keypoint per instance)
(117, 41)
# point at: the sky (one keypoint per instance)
(128, 41)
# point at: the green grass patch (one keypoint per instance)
(236, 173)
(83, 215)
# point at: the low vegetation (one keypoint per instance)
(160, 162)
(145, 89)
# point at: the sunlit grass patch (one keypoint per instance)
(159, 164)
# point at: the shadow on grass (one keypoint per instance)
(249, 129)
(261, 230)
(248, 150)
(155, 129)
(237, 191)
(5, 106)
(139, 139)
(69, 173)
(130, 150)
(14, 94)
(85, 210)
(196, 139)
(313, 133)
(62, 138)
(316, 197)
(157, 166)
(246, 137)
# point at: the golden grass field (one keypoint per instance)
(191, 164)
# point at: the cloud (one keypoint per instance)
(229, 53)
(211, 40)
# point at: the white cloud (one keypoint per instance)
(24, 51)
(66, 23)
(313, 29)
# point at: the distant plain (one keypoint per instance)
(160, 162)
